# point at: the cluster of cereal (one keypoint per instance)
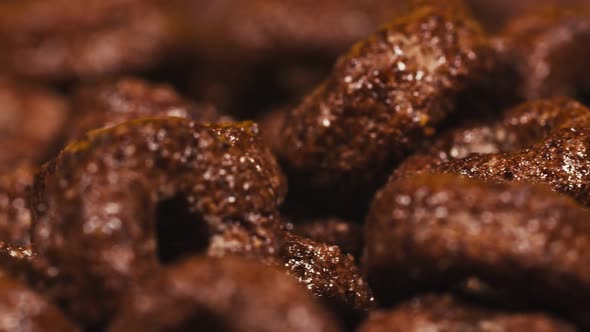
(438, 177)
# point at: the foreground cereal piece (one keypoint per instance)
(61, 39)
(383, 98)
(431, 231)
(21, 310)
(543, 142)
(347, 235)
(445, 313)
(110, 103)
(31, 121)
(548, 48)
(329, 275)
(117, 204)
(15, 216)
(229, 294)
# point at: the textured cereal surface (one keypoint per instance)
(383, 97)
(95, 205)
(544, 142)
(433, 230)
(329, 275)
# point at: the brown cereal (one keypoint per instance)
(431, 231)
(329, 275)
(383, 98)
(114, 206)
(543, 142)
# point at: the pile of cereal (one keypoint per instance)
(294, 165)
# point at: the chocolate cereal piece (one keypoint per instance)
(329, 275)
(538, 142)
(432, 231)
(114, 206)
(383, 98)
